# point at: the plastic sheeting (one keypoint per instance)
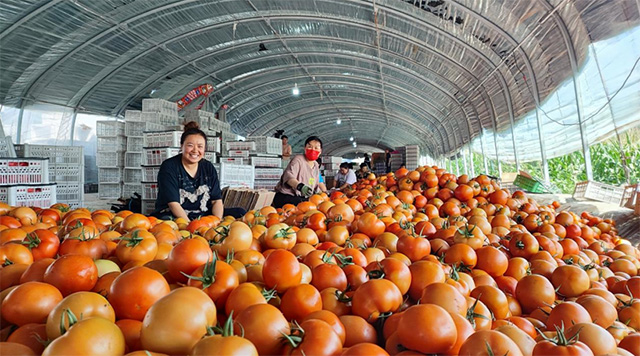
(397, 72)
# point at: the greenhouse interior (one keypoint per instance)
(519, 119)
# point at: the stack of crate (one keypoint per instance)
(331, 165)
(397, 158)
(157, 147)
(412, 156)
(6, 145)
(25, 182)
(134, 129)
(112, 145)
(66, 169)
(266, 158)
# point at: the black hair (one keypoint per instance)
(284, 136)
(364, 165)
(346, 165)
(313, 138)
(192, 128)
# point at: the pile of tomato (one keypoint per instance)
(411, 263)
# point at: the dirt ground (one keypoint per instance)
(627, 223)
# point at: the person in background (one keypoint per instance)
(367, 160)
(286, 150)
(345, 176)
(188, 185)
(301, 178)
(387, 160)
(363, 172)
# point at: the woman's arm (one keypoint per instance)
(217, 208)
(177, 210)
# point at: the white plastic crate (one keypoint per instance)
(129, 188)
(268, 184)
(629, 196)
(162, 139)
(72, 155)
(110, 159)
(217, 125)
(109, 128)
(137, 128)
(24, 170)
(112, 144)
(150, 173)
(155, 156)
(268, 173)
(134, 144)
(240, 154)
(149, 190)
(66, 192)
(231, 160)
(148, 206)
(331, 166)
(133, 159)
(191, 113)
(598, 191)
(241, 146)
(159, 105)
(132, 115)
(109, 175)
(331, 159)
(66, 173)
(132, 175)
(36, 195)
(236, 175)
(266, 144)
(160, 118)
(268, 162)
(6, 146)
(109, 190)
(213, 144)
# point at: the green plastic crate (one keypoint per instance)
(529, 185)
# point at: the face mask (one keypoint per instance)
(311, 155)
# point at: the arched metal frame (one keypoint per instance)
(465, 128)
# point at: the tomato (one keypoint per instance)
(72, 273)
(375, 297)
(281, 270)
(534, 291)
(415, 247)
(131, 330)
(84, 305)
(30, 302)
(135, 221)
(242, 297)
(629, 313)
(42, 243)
(358, 330)
(364, 349)
(235, 237)
(29, 335)
(300, 301)
(177, 321)
(137, 245)
(135, 290)
(427, 328)
(570, 280)
(217, 279)
(602, 313)
(461, 255)
(279, 236)
(598, 339)
(565, 314)
(337, 234)
(327, 275)
(14, 348)
(523, 245)
(317, 338)
(92, 247)
(369, 224)
(525, 342)
(35, 271)
(393, 270)
(445, 296)
(263, 325)
(424, 273)
(224, 345)
(186, 256)
(15, 253)
(490, 342)
(492, 261)
(494, 299)
(631, 343)
(92, 336)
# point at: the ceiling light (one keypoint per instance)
(351, 138)
(153, 92)
(355, 144)
(295, 91)
(338, 121)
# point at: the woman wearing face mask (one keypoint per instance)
(301, 177)
(188, 185)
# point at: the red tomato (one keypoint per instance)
(135, 290)
(281, 270)
(30, 303)
(72, 273)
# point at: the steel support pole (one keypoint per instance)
(543, 152)
(495, 143)
(473, 170)
(457, 167)
(19, 132)
(484, 155)
(464, 161)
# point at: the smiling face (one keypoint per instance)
(193, 149)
